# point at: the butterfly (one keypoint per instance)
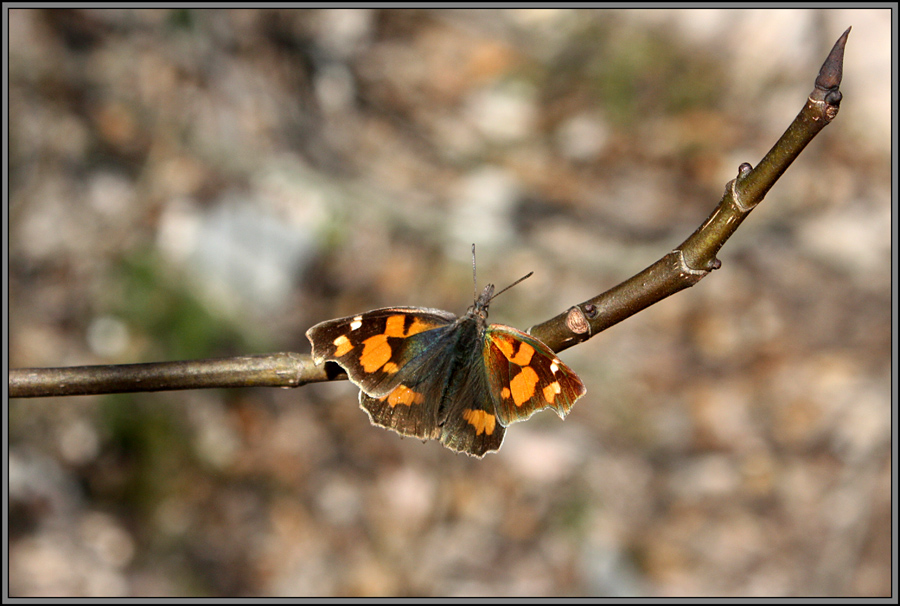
(429, 374)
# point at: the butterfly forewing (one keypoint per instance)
(526, 376)
(374, 347)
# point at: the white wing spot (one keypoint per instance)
(356, 323)
(554, 367)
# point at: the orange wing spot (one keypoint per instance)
(505, 345)
(482, 421)
(394, 326)
(522, 357)
(505, 393)
(390, 368)
(376, 353)
(522, 386)
(404, 395)
(551, 391)
(418, 326)
(342, 346)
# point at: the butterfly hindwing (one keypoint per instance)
(374, 347)
(472, 429)
(401, 411)
(526, 376)
(470, 422)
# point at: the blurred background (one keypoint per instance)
(205, 183)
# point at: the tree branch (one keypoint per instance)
(265, 370)
(683, 267)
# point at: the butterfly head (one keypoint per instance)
(480, 306)
(482, 301)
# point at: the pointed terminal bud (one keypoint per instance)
(832, 70)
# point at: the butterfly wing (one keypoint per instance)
(375, 346)
(525, 376)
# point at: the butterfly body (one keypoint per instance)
(429, 374)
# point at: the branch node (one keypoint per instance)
(735, 194)
(693, 275)
(577, 322)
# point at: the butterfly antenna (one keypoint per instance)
(474, 280)
(528, 275)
